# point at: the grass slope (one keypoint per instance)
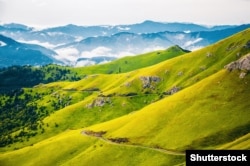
(200, 116)
(73, 148)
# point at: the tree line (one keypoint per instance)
(15, 77)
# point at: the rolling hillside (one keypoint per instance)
(148, 116)
(18, 103)
(131, 63)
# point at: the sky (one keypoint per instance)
(46, 13)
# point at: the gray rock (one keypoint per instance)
(99, 102)
(241, 64)
(173, 90)
(147, 81)
(243, 74)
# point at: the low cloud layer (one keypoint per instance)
(67, 55)
(44, 44)
(99, 51)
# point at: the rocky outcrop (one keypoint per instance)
(99, 102)
(242, 64)
(94, 133)
(149, 81)
(172, 91)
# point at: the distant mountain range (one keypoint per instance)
(16, 53)
(72, 44)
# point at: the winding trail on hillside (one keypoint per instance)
(169, 152)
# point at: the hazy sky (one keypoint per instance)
(104, 12)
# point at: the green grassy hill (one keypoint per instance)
(148, 116)
(212, 112)
(130, 63)
(31, 105)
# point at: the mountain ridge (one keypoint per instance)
(73, 42)
(132, 43)
(16, 53)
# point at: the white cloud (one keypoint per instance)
(67, 55)
(2, 44)
(55, 33)
(78, 38)
(84, 63)
(155, 48)
(194, 48)
(189, 43)
(105, 61)
(99, 51)
(71, 55)
(44, 44)
(104, 51)
(123, 29)
(179, 36)
(123, 54)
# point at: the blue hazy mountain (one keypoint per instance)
(16, 53)
(134, 43)
(75, 43)
(68, 33)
